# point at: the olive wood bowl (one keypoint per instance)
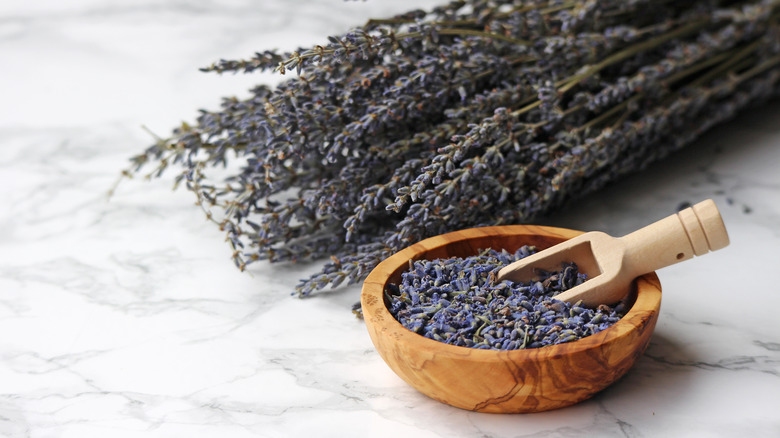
(530, 380)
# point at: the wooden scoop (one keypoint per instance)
(612, 263)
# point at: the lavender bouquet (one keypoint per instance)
(478, 112)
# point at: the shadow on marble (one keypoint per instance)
(657, 371)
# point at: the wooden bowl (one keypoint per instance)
(531, 380)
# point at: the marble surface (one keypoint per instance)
(126, 318)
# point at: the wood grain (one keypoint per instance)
(516, 381)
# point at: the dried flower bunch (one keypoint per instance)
(456, 301)
(479, 112)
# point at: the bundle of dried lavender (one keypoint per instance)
(479, 112)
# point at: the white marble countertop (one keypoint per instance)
(127, 318)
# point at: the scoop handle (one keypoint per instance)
(695, 230)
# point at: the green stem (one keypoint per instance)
(674, 77)
(732, 61)
(611, 112)
(557, 8)
(728, 56)
(588, 71)
(758, 69)
(570, 82)
(526, 108)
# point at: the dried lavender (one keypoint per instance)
(456, 301)
(477, 112)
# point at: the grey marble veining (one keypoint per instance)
(125, 317)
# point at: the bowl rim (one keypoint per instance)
(647, 290)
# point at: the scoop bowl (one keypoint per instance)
(516, 381)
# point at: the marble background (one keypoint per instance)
(125, 317)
